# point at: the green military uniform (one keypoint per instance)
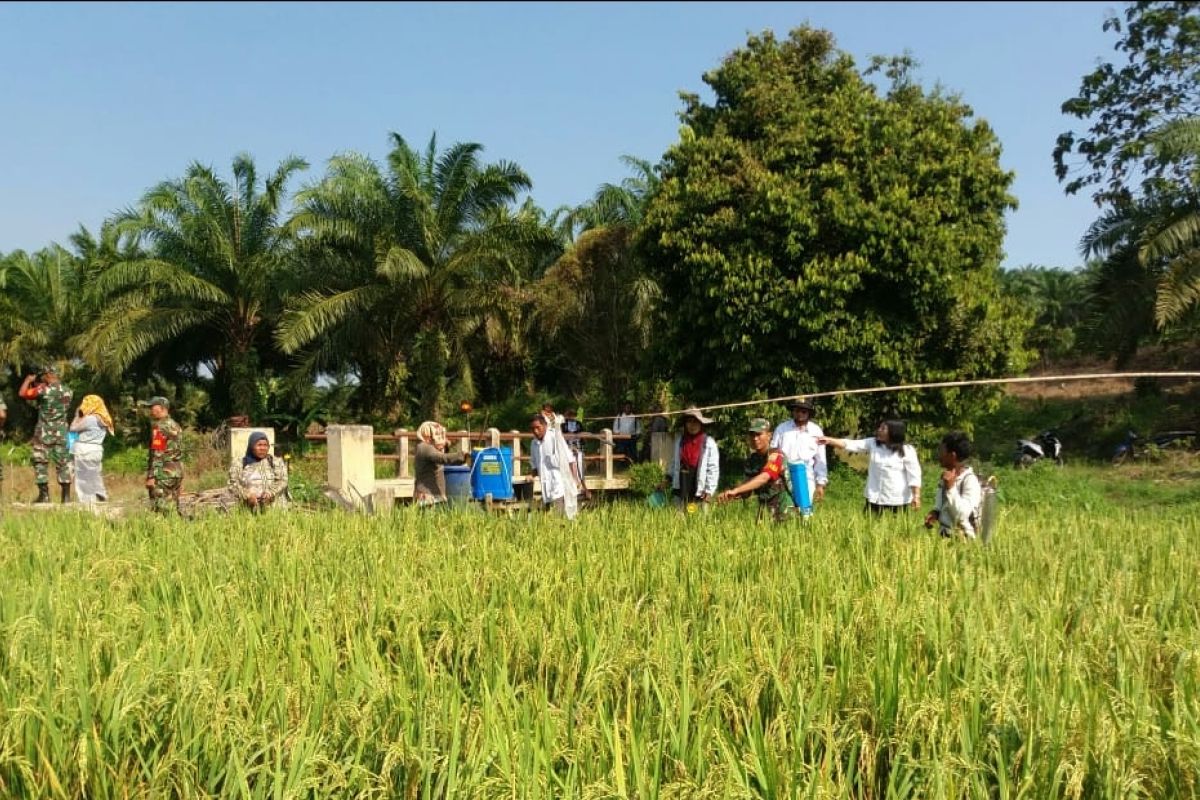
(50, 435)
(774, 495)
(165, 464)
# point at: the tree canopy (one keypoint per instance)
(1156, 80)
(811, 231)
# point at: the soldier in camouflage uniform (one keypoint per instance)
(164, 472)
(766, 471)
(53, 400)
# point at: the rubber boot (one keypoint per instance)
(43, 493)
(66, 492)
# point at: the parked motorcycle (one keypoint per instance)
(1134, 445)
(1045, 445)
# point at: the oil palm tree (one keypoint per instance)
(1175, 245)
(414, 260)
(44, 306)
(210, 282)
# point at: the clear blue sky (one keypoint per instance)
(101, 101)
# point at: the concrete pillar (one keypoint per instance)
(607, 443)
(516, 448)
(351, 462)
(493, 437)
(238, 439)
(662, 446)
(401, 452)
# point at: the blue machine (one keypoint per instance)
(491, 473)
(458, 483)
(798, 473)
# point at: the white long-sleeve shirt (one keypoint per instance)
(708, 471)
(800, 444)
(628, 425)
(891, 476)
(958, 508)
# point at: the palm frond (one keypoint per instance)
(314, 314)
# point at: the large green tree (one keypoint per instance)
(210, 285)
(1156, 79)
(414, 260)
(814, 232)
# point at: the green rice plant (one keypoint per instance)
(633, 653)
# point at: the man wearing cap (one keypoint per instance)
(164, 470)
(767, 471)
(797, 438)
(53, 401)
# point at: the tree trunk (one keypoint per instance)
(431, 354)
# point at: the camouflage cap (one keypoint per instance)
(155, 401)
(758, 425)
(48, 368)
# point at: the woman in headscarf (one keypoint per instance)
(260, 480)
(92, 423)
(429, 485)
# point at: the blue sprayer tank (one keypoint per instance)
(491, 473)
(798, 474)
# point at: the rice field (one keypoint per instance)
(635, 653)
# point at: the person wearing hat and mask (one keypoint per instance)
(164, 470)
(798, 439)
(766, 471)
(695, 467)
(53, 400)
(259, 480)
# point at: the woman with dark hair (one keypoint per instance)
(893, 471)
(259, 480)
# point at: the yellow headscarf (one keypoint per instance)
(94, 404)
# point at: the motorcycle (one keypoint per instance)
(1135, 445)
(1045, 445)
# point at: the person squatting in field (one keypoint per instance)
(259, 480)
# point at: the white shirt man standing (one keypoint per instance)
(797, 438)
(626, 424)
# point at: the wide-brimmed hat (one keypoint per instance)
(695, 412)
(801, 402)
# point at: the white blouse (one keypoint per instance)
(890, 475)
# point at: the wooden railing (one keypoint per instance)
(404, 442)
